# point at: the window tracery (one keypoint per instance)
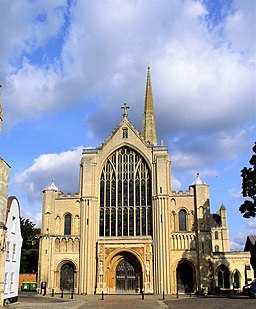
(125, 195)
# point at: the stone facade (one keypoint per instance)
(126, 231)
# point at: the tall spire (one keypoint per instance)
(149, 122)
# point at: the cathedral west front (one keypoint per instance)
(126, 231)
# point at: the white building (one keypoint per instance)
(13, 250)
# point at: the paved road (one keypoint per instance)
(211, 302)
(31, 300)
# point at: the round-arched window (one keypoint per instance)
(125, 195)
(67, 224)
(182, 220)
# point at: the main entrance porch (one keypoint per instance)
(124, 274)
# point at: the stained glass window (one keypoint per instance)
(125, 195)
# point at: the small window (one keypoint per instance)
(11, 282)
(8, 250)
(67, 224)
(216, 235)
(217, 248)
(14, 252)
(125, 133)
(182, 220)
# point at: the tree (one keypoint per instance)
(248, 208)
(30, 246)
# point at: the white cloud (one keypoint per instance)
(109, 43)
(35, 218)
(203, 80)
(251, 224)
(235, 194)
(234, 246)
(62, 167)
(176, 184)
(238, 243)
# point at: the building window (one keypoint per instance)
(14, 252)
(217, 248)
(125, 133)
(216, 235)
(182, 220)
(11, 282)
(125, 195)
(8, 250)
(67, 224)
(5, 282)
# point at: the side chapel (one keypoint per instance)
(127, 231)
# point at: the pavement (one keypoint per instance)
(31, 300)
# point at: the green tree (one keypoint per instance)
(248, 208)
(30, 246)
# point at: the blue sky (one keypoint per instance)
(66, 67)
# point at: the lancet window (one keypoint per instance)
(67, 224)
(125, 195)
(182, 220)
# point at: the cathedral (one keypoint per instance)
(127, 231)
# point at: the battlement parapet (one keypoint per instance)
(181, 193)
(69, 195)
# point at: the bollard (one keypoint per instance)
(52, 292)
(142, 295)
(72, 294)
(102, 295)
(163, 296)
(61, 295)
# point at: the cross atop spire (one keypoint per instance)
(125, 107)
(149, 122)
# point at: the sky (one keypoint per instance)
(67, 66)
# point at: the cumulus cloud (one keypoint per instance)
(235, 246)
(238, 243)
(58, 54)
(62, 167)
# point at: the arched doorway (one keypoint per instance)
(127, 272)
(126, 277)
(67, 277)
(185, 275)
(236, 282)
(223, 277)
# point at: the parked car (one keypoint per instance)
(250, 289)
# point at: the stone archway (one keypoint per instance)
(223, 277)
(185, 274)
(126, 273)
(67, 277)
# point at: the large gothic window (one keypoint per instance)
(125, 195)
